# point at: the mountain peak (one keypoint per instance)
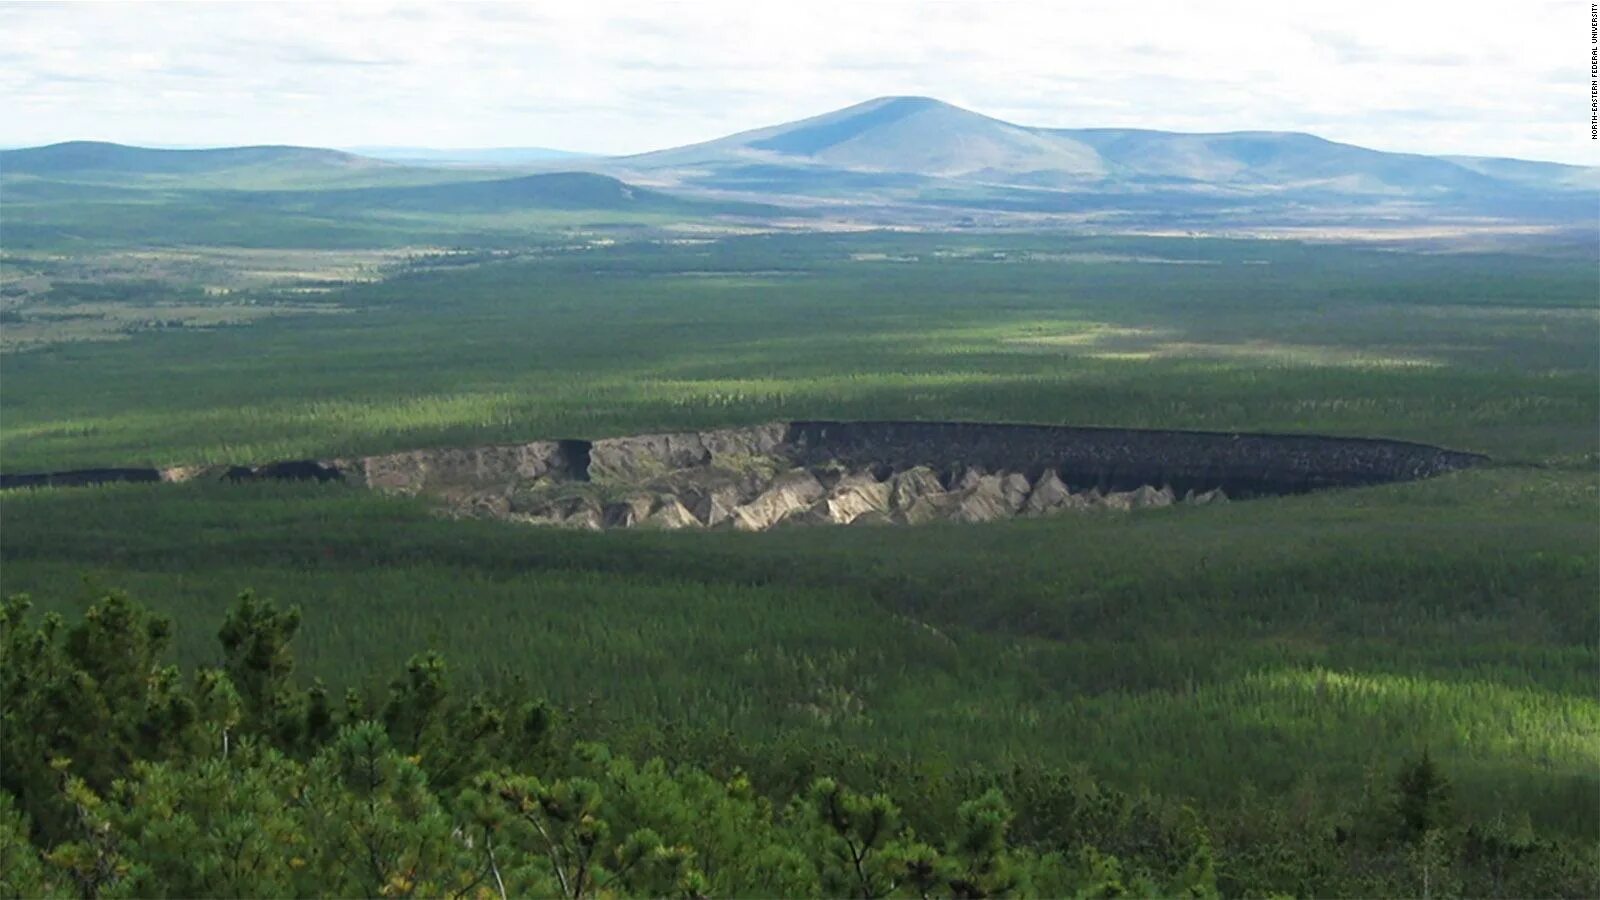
(910, 100)
(870, 120)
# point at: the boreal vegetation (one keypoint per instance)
(1486, 352)
(1380, 691)
(126, 776)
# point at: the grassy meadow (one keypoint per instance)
(1282, 647)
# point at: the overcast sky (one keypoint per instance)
(1507, 78)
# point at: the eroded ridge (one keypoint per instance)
(844, 473)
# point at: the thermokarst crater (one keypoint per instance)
(843, 473)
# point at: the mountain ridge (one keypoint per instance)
(914, 160)
(928, 137)
(108, 156)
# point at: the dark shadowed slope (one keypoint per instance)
(554, 190)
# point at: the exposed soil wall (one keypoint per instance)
(1125, 458)
(817, 472)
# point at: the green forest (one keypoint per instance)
(1377, 691)
(141, 779)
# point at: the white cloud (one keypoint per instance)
(1483, 78)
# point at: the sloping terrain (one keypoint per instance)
(75, 157)
(922, 151)
(82, 195)
(555, 190)
(915, 135)
(888, 161)
(1556, 176)
(1271, 159)
(466, 156)
(103, 163)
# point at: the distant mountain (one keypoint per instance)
(916, 135)
(922, 150)
(467, 156)
(1555, 176)
(266, 167)
(75, 157)
(890, 161)
(1269, 159)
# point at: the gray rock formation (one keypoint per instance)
(983, 501)
(1147, 497)
(671, 514)
(905, 488)
(855, 496)
(1015, 488)
(628, 511)
(791, 494)
(932, 507)
(1049, 494)
(1215, 495)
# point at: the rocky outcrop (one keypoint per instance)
(1050, 494)
(789, 495)
(852, 473)
(854, 497)
(914, 484)
(671, 514)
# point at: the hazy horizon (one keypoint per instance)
(557, 153)
(616, 78)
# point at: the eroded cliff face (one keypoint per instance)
(843, 473)
(462, 472)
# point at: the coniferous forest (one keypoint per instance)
(129, 776)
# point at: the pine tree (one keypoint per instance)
(256, 638)
(1422, 798)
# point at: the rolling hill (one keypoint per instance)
(100, 162)
(918, 149)
(108, 195)
(75, 157)
(888, 161)
(466, 156)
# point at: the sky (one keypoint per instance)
(1495, 79)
